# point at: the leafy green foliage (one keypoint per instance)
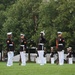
(32, 16)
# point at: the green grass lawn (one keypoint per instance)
(36, 69)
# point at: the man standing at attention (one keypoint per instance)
(23, 49)
(60, 44)
(40, 49)
(10, 49)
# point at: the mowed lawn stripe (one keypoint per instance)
(36, 69)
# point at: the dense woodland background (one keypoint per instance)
(32, 16)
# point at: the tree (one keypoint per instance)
(57, 16)
(20, 19)
(32, 16)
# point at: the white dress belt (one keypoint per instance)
(40, 44)
(60, 44)
(10, 44)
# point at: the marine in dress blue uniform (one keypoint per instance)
(70, 55)
(23, 49)
(52, 55)
(40, 48)
(10, 49)
(60, 44)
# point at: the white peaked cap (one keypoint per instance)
(51, 47)
(59, 32)
(70, 47)
(22, 34)
(9, 33)
(42, 32)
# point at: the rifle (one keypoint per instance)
(20, 60)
